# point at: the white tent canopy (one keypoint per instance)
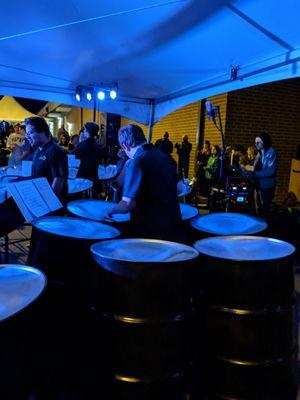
(162, 53)
(11, 110)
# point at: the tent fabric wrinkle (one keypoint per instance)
(163, 54)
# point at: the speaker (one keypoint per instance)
(113, 123)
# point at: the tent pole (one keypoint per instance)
(151, 119)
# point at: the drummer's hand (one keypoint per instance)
(108, 215)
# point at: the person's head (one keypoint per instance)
(130, 137)
(250, 152)
(91, 129)
(206, 145)
(215, 150)
(166, 135)
(74, 140)
(263, 141)
(64, 140)
(185, 138)
(37, 131)
(17, 128)
(239, 150)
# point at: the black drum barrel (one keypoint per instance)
(250, 312)
(61, 245)
(144, 295)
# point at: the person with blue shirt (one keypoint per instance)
(265, 168)
(150, 189)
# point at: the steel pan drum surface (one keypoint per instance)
(228, 224)
(78, 185)
(19, 286)
(142, 251)
(245, 248)
(95, 210)
(76, 228)
(188, 211)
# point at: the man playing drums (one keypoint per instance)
(150, 189)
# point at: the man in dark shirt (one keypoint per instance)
(49, 160)
(150, 189)
(164, 144)
(183, 151)
(89, 152)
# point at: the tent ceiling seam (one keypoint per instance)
(82, 21)
(260, 28)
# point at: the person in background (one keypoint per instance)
(14, 143)
(184, 151)
(49, 159)
(74, 140)
(212, 169)
(250, 155)
(64, 141)
(89, 152)
(164, 144)
(265, 168)
(202, 158)
(150, 189)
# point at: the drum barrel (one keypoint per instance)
(146, 306)
(64, 312)
(250, 336)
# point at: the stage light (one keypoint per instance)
(101, 95)
(113, 94)
(78, 93)
(89, 96)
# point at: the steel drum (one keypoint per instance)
(20, 286)
(143, 293)
(95, 210)
(220, 224)
(79, 185)
(250, 308)
(188, 212)
(107, 171)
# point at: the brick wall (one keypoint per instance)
(184, 121)
(273, 108)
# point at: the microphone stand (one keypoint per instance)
(223, 151)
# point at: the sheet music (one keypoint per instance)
(34, 197)
(47, 194)
(26, 168)
(72, 161)
(20, 203)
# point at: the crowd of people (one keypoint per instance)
(257, 163)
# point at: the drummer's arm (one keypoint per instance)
(124, 206)
(57, 185)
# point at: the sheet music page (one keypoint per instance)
(46, 192)
(32, 198)
(72, 161)
(20, 202)
(26, 168)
